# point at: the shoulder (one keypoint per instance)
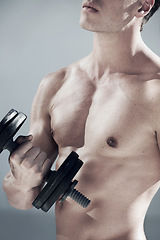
(47, 88)
(51, 84)
(53, 81)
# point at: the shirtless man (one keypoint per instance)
(106, 107)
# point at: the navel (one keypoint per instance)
(112, 142)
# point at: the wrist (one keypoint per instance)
(18, 196)
(21, 187)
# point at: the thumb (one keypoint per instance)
(22, 139)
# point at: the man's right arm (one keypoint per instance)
(31, 161)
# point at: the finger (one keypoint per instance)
(46, 167)
(22, 139)
(31, 156)
(35, 159)
(40, 159)
(18, 155)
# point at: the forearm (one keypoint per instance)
(19, 197)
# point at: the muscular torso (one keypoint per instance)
(109, 123)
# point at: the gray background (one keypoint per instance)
(38, 37)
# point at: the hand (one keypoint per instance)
(29, 165)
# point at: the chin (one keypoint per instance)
(87, 23)
(97, 29)
(87, 26)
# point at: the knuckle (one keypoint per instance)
(38, 172)
(43, 155)
(26, 163)
(40, 177)
(35, 169)
(14, 157)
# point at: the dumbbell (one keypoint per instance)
(59, 184)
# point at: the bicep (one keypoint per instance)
(40, 126)
(43, 139)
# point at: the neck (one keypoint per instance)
(116, 52)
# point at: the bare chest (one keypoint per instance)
(100, 118)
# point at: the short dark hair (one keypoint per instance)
(150, 14)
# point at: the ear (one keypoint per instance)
(145, 8)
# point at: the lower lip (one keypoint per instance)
(89, 9)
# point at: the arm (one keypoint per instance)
(32, 160)
(40, 126)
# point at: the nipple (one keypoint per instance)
(112, 142)
(52, 133)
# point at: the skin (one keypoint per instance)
(106, 108)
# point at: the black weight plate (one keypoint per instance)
(55, 195)
(7, 119)
(54, 181)
(11, 129)
(63, 186)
